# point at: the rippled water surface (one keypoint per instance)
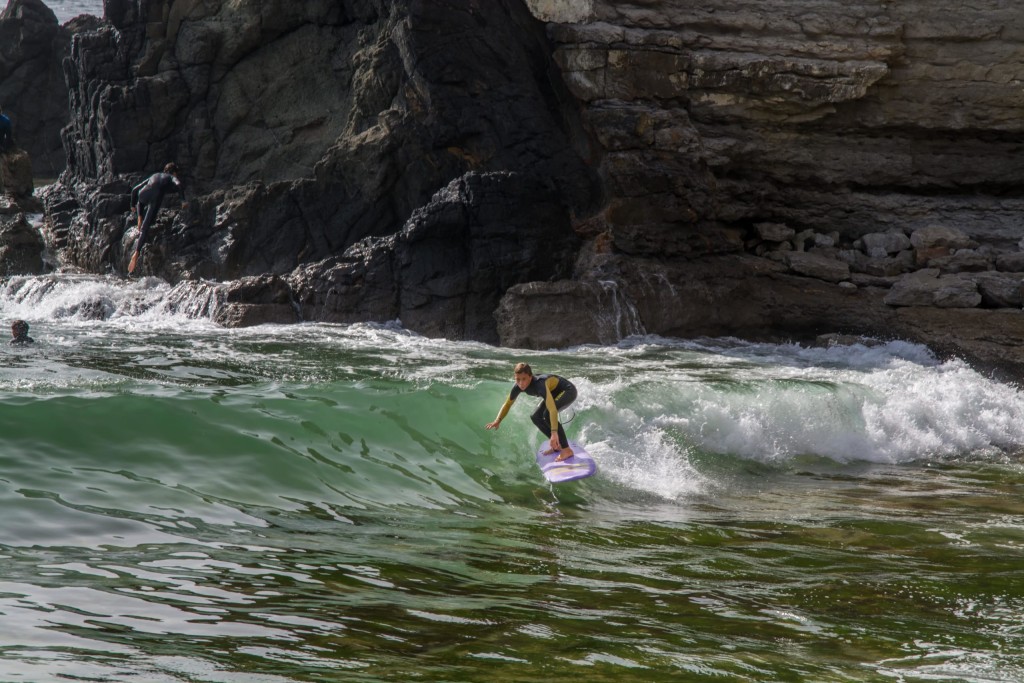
(321, 503)
(69, 9)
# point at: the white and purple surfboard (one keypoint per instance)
(580, 465)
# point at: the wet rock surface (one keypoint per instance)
(865, 149)
(479, 170)
(32, 88)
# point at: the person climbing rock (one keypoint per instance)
(147, 197)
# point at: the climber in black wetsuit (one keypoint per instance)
(6, 133)
(556, 392)
(150, 194)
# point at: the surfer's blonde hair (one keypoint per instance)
(522, 369)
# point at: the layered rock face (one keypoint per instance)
(851, 118)
(822, 135)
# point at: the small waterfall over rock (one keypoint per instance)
(93, 297)
(619, 315)
(194, 299)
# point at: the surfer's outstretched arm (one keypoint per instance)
(501, 414)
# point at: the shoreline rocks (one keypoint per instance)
(478, 171)
(33, 92)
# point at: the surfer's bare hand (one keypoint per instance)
(493, 425)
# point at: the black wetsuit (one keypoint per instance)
(6, 133)
(150, 194)
(22, 340)
(556, 392)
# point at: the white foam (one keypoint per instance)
(892, 402)
(889, 403)
(648, 462)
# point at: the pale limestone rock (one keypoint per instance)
(837, 339)
(774, 232)
(562, 11)
(940, 236)
(801, 238)
(999, 290)
(856, 118)
(890, 242)
(934, 244)
(816, 266)
(963, 261)
(877, 281)
(824, 241)
(927, 287)
(878, 266)
(16, 173)
(1011, 263)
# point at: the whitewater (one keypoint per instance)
(185, 502)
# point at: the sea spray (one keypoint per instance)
(886, 403)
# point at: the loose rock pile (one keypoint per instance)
(935, 265)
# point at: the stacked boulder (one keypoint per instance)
(805, 253)
(958, 273)
(935, 265)
(21, 247)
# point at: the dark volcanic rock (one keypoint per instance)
(16, 174)
(304, 128)
(542, 315)
(32, 89)
(444, 273)
(256, 301)
(476, 238)
(21, 248)
(359, 286)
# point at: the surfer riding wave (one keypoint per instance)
(556, 393)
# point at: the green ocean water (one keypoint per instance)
(187, 503)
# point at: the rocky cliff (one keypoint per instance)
(478, 169)
(32, 89)
(306, 129)
(859, 161)
(852, 118)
